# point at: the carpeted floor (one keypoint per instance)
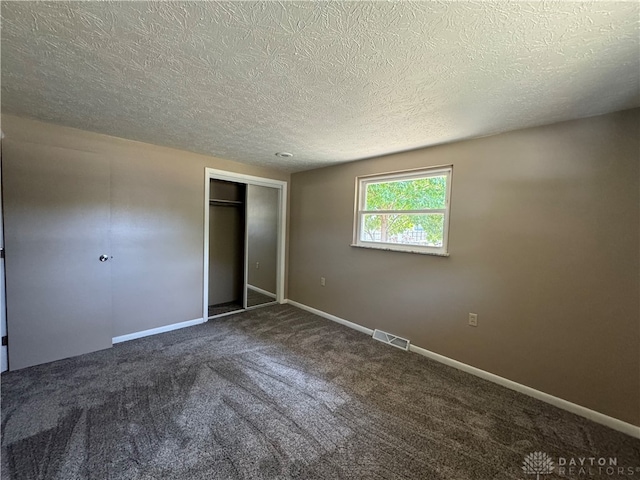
(278, 393)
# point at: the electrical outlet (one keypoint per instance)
(257, 265)
(473, 319)
(322, 281)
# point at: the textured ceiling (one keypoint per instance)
(327, 81)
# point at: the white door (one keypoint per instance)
(57, 219)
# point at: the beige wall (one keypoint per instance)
(157, 220)
(544, 244)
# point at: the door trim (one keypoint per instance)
(4, 349)
(214, 174)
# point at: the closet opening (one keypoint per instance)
(244, 242)
(227, 223)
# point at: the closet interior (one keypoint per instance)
(243, 246)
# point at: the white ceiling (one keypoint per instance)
(327, 81)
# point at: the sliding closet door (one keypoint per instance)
(57, 215)
(263, 207)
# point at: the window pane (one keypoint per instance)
(405, 229)
(417, 194)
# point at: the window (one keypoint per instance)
(407, 211)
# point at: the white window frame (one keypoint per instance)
(359, 212)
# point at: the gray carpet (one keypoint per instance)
(278, 393)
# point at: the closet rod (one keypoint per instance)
(225, 203)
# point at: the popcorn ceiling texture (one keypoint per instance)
(328, 81)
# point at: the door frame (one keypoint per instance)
(215, 174)
(4, 350)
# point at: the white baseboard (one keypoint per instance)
(260, 290)
(155, 331)
(585, 412)
(333, 318)
(597, 417)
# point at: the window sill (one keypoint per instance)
(401, 250)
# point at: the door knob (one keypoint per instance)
(104, 258)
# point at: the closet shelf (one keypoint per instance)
(215, 201)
